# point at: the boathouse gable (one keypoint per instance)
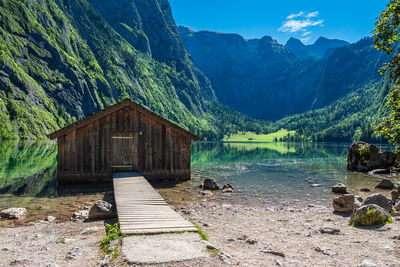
(125, 137)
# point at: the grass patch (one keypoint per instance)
(200, 231)
(253, 137)
(371, 218)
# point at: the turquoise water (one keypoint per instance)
(262, 173)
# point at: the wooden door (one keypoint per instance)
(123, 152)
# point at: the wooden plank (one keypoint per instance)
(142, 210)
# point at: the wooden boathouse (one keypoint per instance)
(125, 137)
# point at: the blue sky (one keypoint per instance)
(348, 20)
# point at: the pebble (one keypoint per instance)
(50, 218)
(325, 251)
(209, 245)
(367, 263)
(74, 253)
(90, 230)
(329, 230)
(278, 262)
(276, 253)
(225, 257)
(251, 241)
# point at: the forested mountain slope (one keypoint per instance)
(61, 60)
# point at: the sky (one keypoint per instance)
(348, 20)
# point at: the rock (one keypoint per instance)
(19, 261)
(50, 218)
(90, 230)
(65, 240)
(13, 213)
(329, 230)
(315, 185)
(365, 190)
(339, 189)
(278, 262)
(380, 200)
(358, 200)
(367, 263)
(276, 253)
(344, 203)
(396, 206)
(365, 157)
(395, 195)
(397, 186)
(225, 186)
(102, 210)
(210, 184)
(325, 251)
(359, 216)
(251, 241)
(385, 184)
(105, 262)
(243, 237)
(379, 171)
(206, 193)
(209, 245)
(227, 190)
(225, 257)
(80, 215)
(74, 253)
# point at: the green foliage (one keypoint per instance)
(371, 218)
(364, 151)
(200, 231)
(386, 36)
(112, 232)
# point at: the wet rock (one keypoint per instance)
(80, 215)
(339, 189)
(379, 171)
(380, 200)
(210, 184)
(385, 184)
(359, 219)
(395, 195)
(344, 203)
(75, 253)
(367, 263)
(102, 210)
(225, 186)
(251, 241)
(365, 190)
(365, 157)
(13, 213)
(50, 218)
(329, 230)
(326, 251)
(206, 193)
(227, 190)
(90, 230)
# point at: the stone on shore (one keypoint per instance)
(364, 157)
(210, 184)
(50, 218)
(329, 230)
(13, 213)
(396, 206)
(80, 215)
(90, 230)
(358, 201)
(367, 263)
(360, 217)
(380, 200)
(339, 189)
(344, 203)
(385, 184)
(395, 195)
(102, 210)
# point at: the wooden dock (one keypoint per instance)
(141, 210)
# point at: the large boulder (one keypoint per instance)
(339, 189)
(369, 215)
(379, 200)
(13, 213)
(344, 203)
(364, 157)
(210, 184)
(385, 184)
(102, 210)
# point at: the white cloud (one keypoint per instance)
(291, 16)
(312, 14)
(300, 23)
(305, 40)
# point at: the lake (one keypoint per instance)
(263, 174)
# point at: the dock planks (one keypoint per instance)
(141, 210)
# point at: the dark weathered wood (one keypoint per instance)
(143, 144)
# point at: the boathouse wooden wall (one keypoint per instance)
(86, 154)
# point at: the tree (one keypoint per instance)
(386, 37)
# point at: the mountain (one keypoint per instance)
(61, 60)
(319, 49)
(269, 81)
